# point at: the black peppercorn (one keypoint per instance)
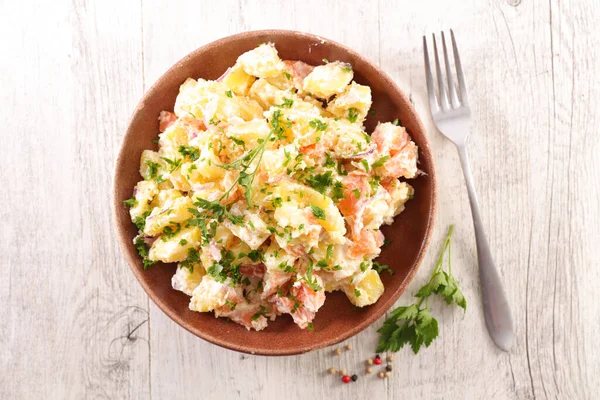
(388, 367)
(354, 378)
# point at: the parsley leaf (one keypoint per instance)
(414, 324)
(352, 114)
(143, 251)
(287, 103)
(318, 125)
(318, 212)
(320, 182)
(152, 169)
(174, 164)
(261, 311)
(380, 162)
(189, 151)
(382, 267)
(311, 281)
(229, 93)
(338, 192)
(132, 202)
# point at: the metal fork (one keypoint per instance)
(452, 115)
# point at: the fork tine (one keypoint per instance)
(459, 72)
(433, 103)
(440, 78)
(452, 96)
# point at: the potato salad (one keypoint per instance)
(268, 193)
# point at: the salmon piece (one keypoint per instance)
(356, 180)
(301, 302)
(314, 150)
(367, 244)
(390, 139)
(299, 70)
(253, 270)
(403, 163)
(239, 311)
(273, 280)
(165, 120)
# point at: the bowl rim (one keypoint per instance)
(122, 234)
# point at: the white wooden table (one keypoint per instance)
(74, 323)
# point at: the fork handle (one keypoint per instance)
(495, 306)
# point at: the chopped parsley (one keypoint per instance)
(152, 169)
(382, 267)
(318, 125)
(380, 162)
(329, 162)
(287, 103)
(259, 313)
(143, 251)
(239, 142)
(189, 151)
(183, 242)
(338, 192)
(229, 93)
(311, 281)
(320, 182)
(174, 164)
(365, 164)
(192, 258)
(396, 122)
(276, 202)
(318, 212)
(356, 292)
(356, 193)
(171, 230)
(326, 61)
(352, 114)
(329, 252)
(256, 255)
(230, 304)
(363, 266)
(132, 202)
(287, 75)
(140, 221)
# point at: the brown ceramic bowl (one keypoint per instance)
(337, 320)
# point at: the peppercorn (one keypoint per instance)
(387, 374)
(338, 351)
(377, 360)
(369, 370)
(369, 362)
(332, 371)
(354, 378)
(381, 375)
(348, 346)
(390, 358)
(388, 367)
(343, 372)
(346, 379)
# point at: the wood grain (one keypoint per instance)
(75, 324)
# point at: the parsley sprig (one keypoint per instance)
(243, 164)
(414, 324)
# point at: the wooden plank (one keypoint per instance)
(70, 307)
